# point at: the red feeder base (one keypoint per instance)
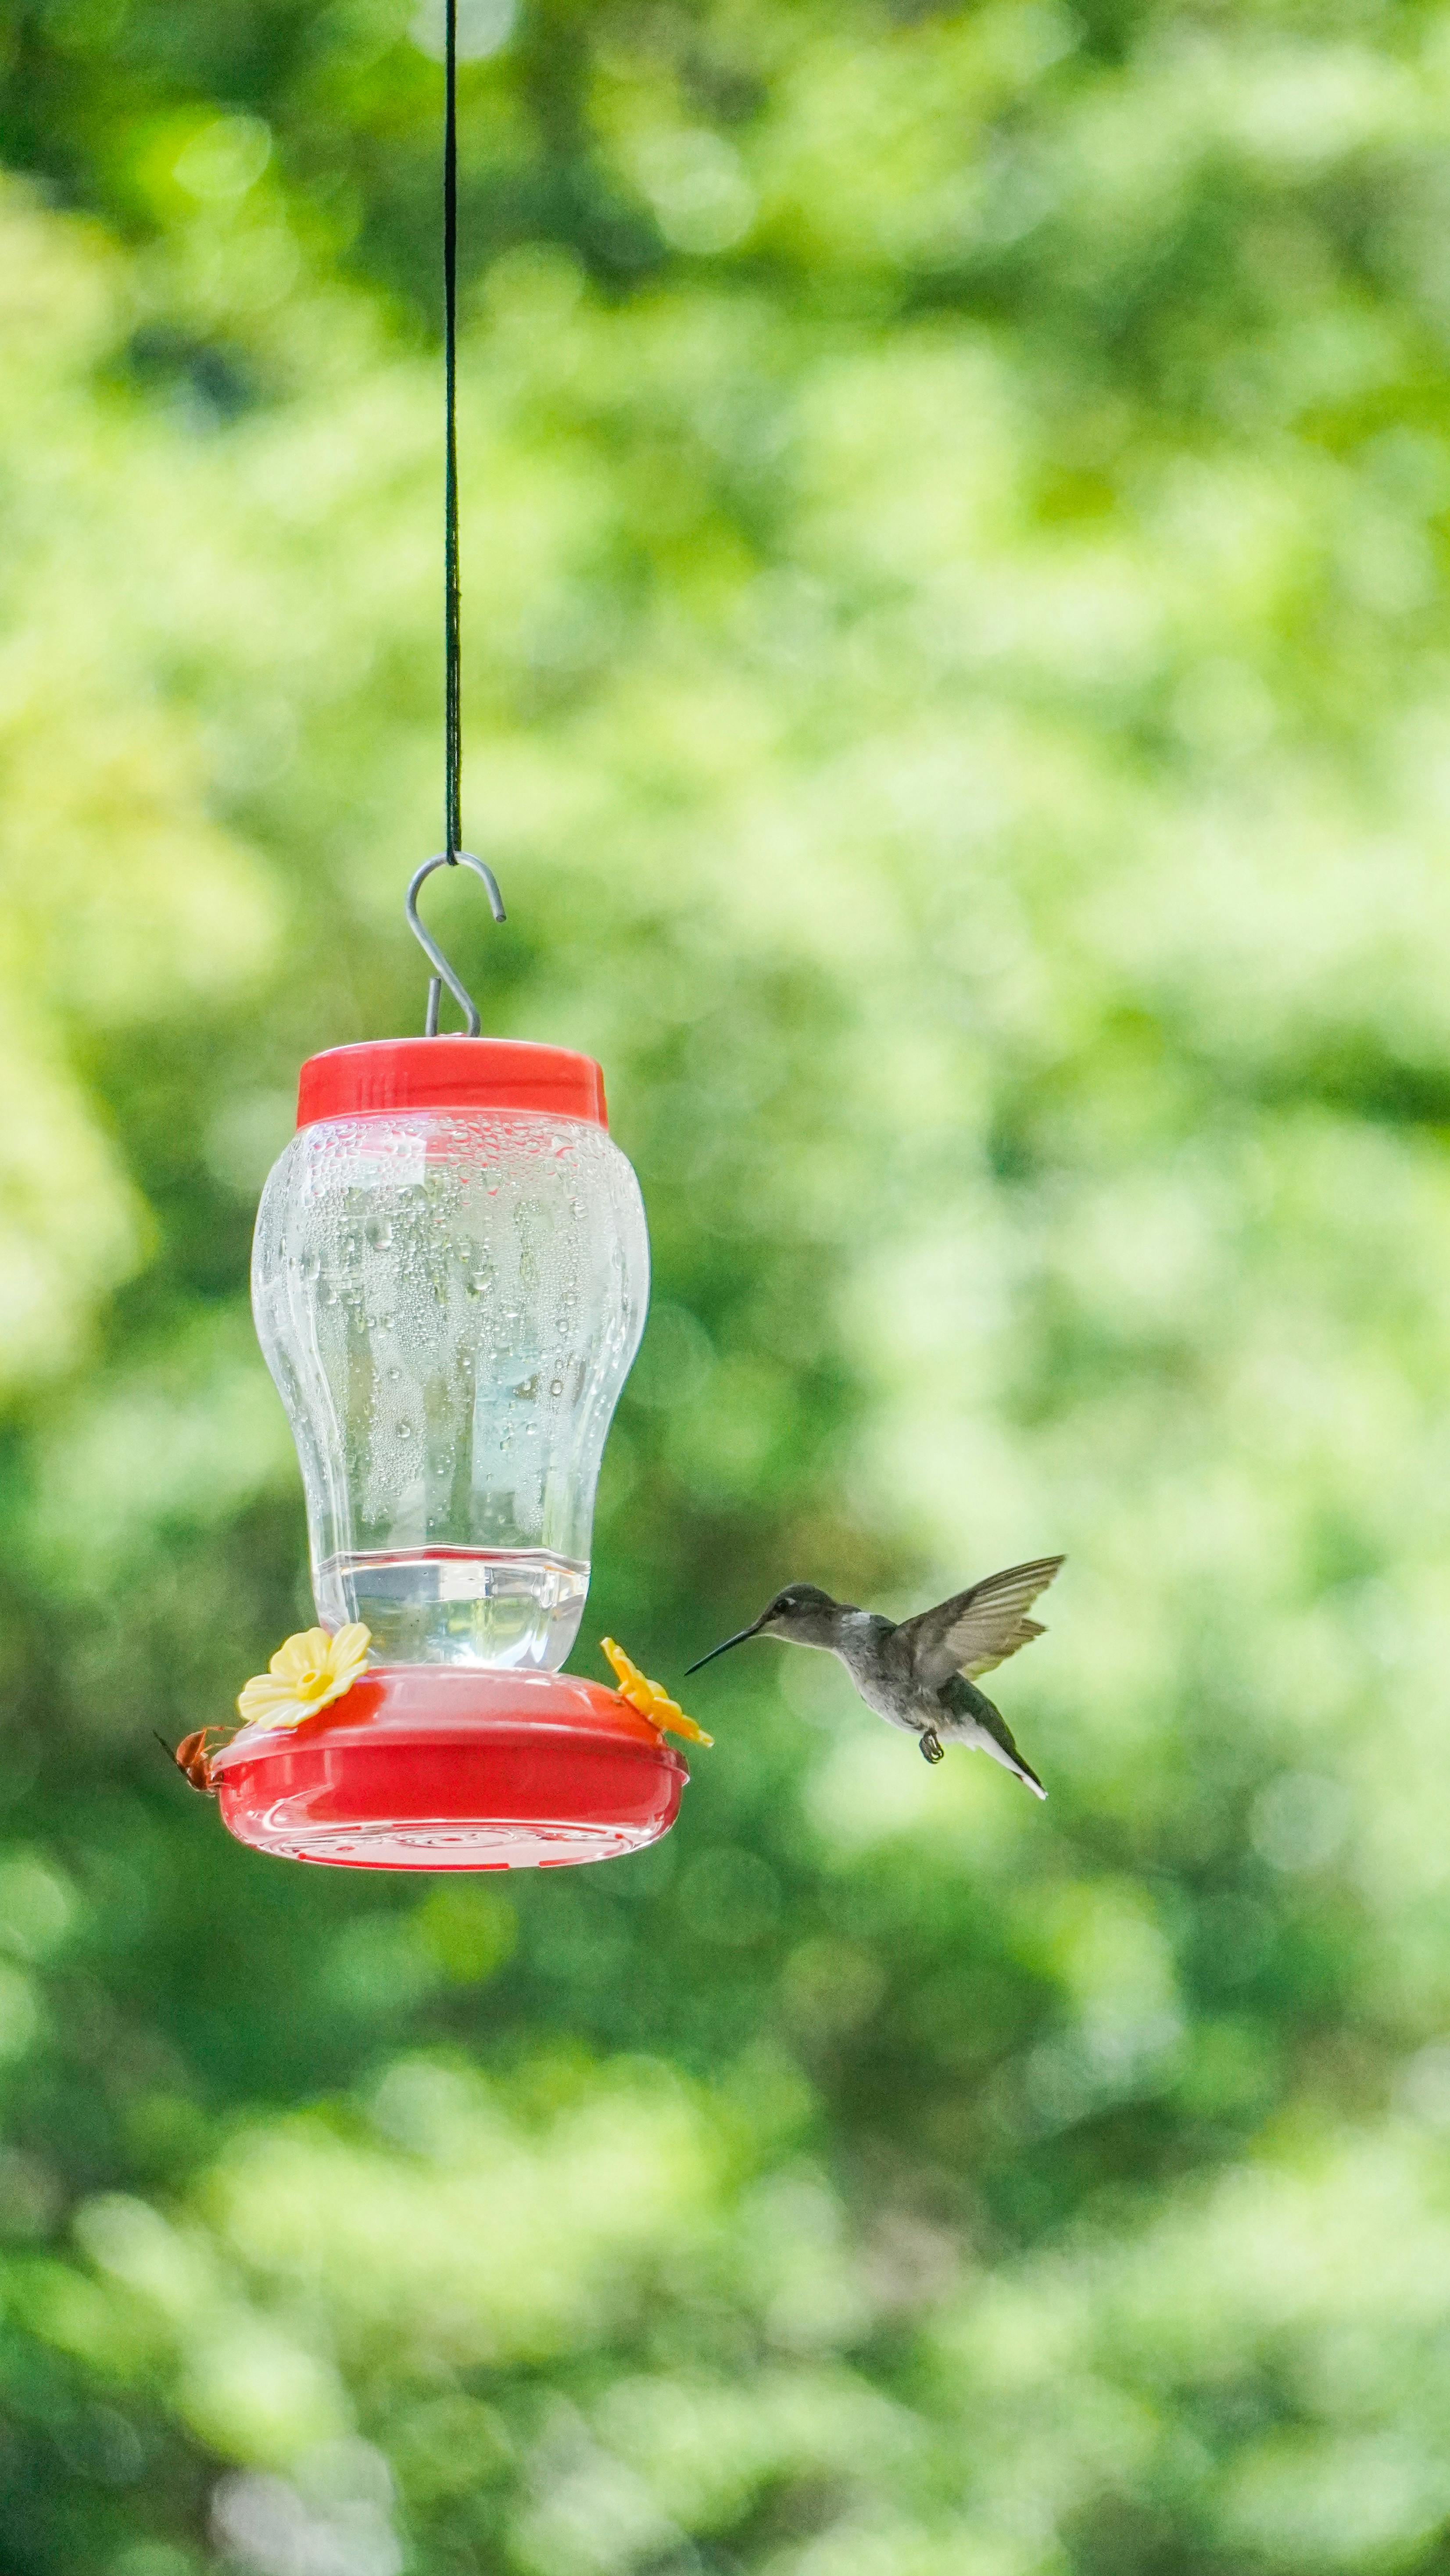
(435, 1766)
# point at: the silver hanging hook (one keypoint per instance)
(442, 971)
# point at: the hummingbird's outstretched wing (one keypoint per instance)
(979, 1628)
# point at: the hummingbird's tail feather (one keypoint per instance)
(1028, 1777)
(1011, 1760)
(981, 1723)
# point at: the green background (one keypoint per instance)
(955, 523)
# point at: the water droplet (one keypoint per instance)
(379, 1232)
(310, 1265)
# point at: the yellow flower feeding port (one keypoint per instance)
(305, 1674)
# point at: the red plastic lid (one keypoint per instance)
(449, 1073)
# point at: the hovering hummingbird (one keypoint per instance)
(922, 1674)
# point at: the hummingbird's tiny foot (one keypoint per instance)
(932, 1747)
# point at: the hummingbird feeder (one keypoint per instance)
(450, 1278)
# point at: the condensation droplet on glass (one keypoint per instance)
(379, 1230)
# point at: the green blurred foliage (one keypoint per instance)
(958, 694)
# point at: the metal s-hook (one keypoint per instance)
(442, 972)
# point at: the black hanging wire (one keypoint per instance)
(451, 855)
(452, 655)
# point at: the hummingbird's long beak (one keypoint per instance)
(738, 1639)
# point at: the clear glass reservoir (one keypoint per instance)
(450, 1278)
